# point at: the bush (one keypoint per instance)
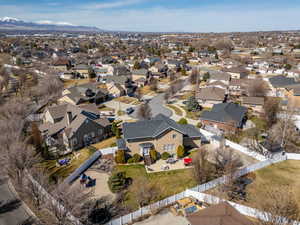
(180, 151)
(154, 154)
(117, 182)
(182, 121)
(131, 160)
(165, 155)
(199, 125)
(113, 144)
(137, 157)
(120, 157)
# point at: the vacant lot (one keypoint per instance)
(171, 182)
(283, 173)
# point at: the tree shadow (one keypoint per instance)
(8, 206)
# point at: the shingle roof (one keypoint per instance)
(281, 81)
(253, 100)
(154, 127)
(211, 93)
(226, 112)
(57, 111)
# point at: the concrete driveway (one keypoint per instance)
(17, 215)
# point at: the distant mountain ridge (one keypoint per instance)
(9, 23)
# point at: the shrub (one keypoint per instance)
(120, 157)
(131, 160)
(117, 182)
(180, 151)
(137, 157)
(154, 154)
(165, 155)
(113, 144)
(182, 121)
(199, 125)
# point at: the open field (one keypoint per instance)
(283, 173)
(81, 156)
(171, 182)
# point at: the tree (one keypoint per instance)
(117, 182)
(165, 155)
(136, 65)
(120, 157)
(202, 170)
(257, 88)
(183, 71)
(153, 154)
(271, 109)
(36, 137)
(139, 94)
(194, 77)
(206, 76)
(92, 73)
(192, 104)
(181, 152)
(153, 84)
(144, 112)
(182, 121)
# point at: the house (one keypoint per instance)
(209, 96)
(236, 72)
(73, 127)
(219, 76)
(220, 214)
(120, 70)
(141, 73)
(160, 133)
(238, 87)
(254, 103)
(82, 69)
(84, 93)
(278, 83)
(61, 64)
(227, 117)
(115, 89)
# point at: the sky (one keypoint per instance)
(161, 15)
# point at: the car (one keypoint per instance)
(171, 160)
(184, 102)
(129, 110)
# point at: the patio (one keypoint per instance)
(161, 166)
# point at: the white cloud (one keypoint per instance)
(116, 4)
(49, 22)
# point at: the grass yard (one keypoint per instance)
(186, 95)
(283, 173)
(82, 156)
(146, 90)
(259, 122)
(192, 115)
(127, 100)
(177, 110)
(172, 182)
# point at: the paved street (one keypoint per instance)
(15, 216)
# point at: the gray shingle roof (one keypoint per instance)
(281, 81)
(226, 112)
(154, 127)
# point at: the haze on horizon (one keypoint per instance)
(161, 15)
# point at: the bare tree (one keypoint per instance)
(257, 88)
(194, 77)
(144, 112)
(203, 170)
(153, 84)
(271, 109)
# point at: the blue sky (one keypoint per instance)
(161, 15)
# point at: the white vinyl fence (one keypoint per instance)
(200, 188)
(293, 156)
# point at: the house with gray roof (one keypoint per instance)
(71, 127)
(209, 96)
(227, 117)
(160, 133)
(279, 83)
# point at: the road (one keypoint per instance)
(157, 107)
(17, 215)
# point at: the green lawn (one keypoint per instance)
(82, 156)
(259, 122)
(177, 110)
(172, 182)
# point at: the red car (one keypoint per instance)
(187, 161)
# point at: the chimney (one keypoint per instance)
(69, 118)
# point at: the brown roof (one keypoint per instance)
(61, 62)
(235, 70)
(221, 214)
(211, 93)
(253, 100)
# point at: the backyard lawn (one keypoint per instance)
(283, 173)
(81, 156)
(172, 182)
(70, 83)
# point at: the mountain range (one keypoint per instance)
(8, 23)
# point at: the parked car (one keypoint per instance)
(171, 160)
(129, 110)
(187, 161)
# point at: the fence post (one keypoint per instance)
(131, 217)
(121, 221)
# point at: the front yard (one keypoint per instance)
(78, 158)
(170, 182)
(177, 110)
(127, 100)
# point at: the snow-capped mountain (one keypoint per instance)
(9, 23)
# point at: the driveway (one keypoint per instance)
(19, 213)
(157, 107)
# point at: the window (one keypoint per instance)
(93, 134)
(169, 147)
(174, 136)
(100, 132)
(74, 141)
